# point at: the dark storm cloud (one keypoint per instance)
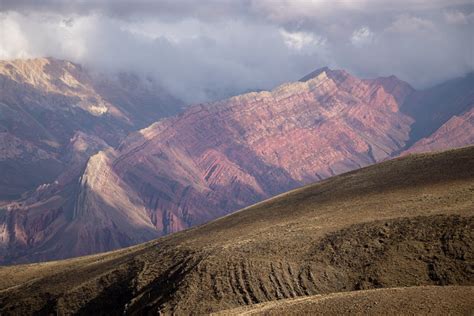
(203, 50)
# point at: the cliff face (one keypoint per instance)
(45, 102)
(215, 158)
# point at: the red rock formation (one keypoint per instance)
(213, 159)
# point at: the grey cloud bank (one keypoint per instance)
(204, 50)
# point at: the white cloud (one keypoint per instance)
(14, 44)
(411, 24)
(458, 17)
(362, 36)
(37, 35)
(300, 40)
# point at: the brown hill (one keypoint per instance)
(404, 222)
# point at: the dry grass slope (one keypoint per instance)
(420, 300)
(405, 222)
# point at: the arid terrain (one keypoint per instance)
(419, 300)
(78, 180)
(404, 227)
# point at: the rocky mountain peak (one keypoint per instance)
(314, 74)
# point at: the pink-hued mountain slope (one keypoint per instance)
(215, 158)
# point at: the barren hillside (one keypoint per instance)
(405, 222)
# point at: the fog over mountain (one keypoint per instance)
(206, 50)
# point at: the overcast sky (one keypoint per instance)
(206, 49)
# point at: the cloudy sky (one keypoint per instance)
(206, 49)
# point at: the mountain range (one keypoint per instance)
(85, 172)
